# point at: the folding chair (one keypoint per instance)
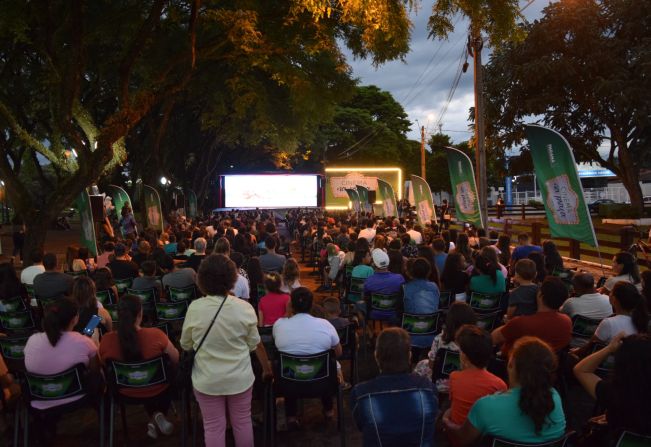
(106, 297)
(181, 293)
(583, 329)
(484, 303)
(123, 284)
(421, 328)
(13, 304)
(348, 340)
(444, 299)
(630, 439)
(17, 322)
(148, 300)
(560, 442)
(489, 321)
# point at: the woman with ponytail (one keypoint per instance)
(60, 347)
(489, 278)
(83, 293)
(625, 269)
(133, 343)
(631, 315)
(530, 411)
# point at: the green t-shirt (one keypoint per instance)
(484, 284)
(499, 415)
(362, 271)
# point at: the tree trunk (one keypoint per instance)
(35, 232)
(630, 175)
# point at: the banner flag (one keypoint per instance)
(423, 200)
(464, 188)
(354, 198)
(192, 204)
(562, 193)
(388, 198)
(120, 198)
(88, 238)
(362, 193)
(153, 209)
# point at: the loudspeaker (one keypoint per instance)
(371, 196)
(97, 208)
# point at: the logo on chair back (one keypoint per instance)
(139, 375)
(58, 387)
(304, 369)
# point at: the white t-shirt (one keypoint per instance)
(590, 305)
(288, 289)
(609, 327)
(304, 334)
(27, 275)
(610, 282)
(415, 236)
(367, 233)
(241, 288)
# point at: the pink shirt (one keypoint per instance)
(273, 306)
(43, 358)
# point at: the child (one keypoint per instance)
(273, 305)
(522, 299)
(291, 276)
(332, 307)
(472, 381)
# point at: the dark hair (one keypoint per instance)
(49, 261)
(270, 243)
(10, 285)
(36, 255)
(332, 305)
(476, 344)
(539, 259)
(631, 380)
(646, 287)
(438, 244)
(583, 282)
(392, 351)
(301, 300)
(83, 293)
(273, 282)
(526, 269)
(535, 364)
(254, 269)
(459, 314)
(553, 259)
(453, 264)
(128, 309)
(486, 266)
(554, 292)
(359, 256)
(395, 261)
(631, 300)
(504, 246)
(420, 268)
(57, 318)
(103, 278)
(83, 253)
(108, 246)
(630, 265)
(217, 275)
(523, 237)
(463, 246)
(222, 246)
(148, 268)
(394, 244)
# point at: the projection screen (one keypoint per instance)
(270, 191)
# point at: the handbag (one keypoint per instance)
(186, 363)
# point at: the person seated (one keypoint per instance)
(133, 343)
(334, 260)
(438, 245)
(103, 279)
(181, 248)
(362, 264)
(454, 278)
(291, 276)
(178, 278)
(303, 334)
(587, 302)
(421, 296)
(459, 314)
(28, 274)
(56, 350)
(273, 305)
(396, 407)
(198, 255)
(171, 246)
(625, 269)
(523, 249)
(84, 294)
(382, 281)
(489, 278)
(52, 282)
(472, 382)
(626, 394)
(242, 288)
(122, 266)
(332, 308)
(10, 286)
(531, 410)
(522, 299)
(148, 280)
(107, 254)
(548, 324)
(271, 261)
(368, 231)
(143, 254)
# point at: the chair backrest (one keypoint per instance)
(267, 338)
(12, 349)
(112, 309)
(106, 297)
(630, 439)
(77, 274)
(171, 311)
(383, 302)
(482, 302)
(65, 384)
(444, 299)
(306, 375)
(17, 321)
(446, 362)
(560, 442)
(181, 294)
(29, 288)
(355, 290)
(163, 327)
(123, 284)
(147, 296)
(421, 324)
(488, 322)
(134, 375)
(584, 327)
(13, 304)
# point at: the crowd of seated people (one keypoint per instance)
(507, 315)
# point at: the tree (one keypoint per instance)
(80, 78)
(498, 21)
(584, 71)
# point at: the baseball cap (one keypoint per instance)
(380, 258)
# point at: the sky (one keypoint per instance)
(423, 81)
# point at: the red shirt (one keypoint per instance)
(554, 328)
(273, 306)
(152, 343)
(466, 387)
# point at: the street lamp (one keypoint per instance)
(163, 180)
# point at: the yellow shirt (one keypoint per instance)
(222, 367)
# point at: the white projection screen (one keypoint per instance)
(270, 191)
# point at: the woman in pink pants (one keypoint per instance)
(222, 376)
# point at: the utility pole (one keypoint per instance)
(422, 152)
(475, 44)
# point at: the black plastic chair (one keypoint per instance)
(561, 442)
(348, 340)
(445, 297)
(181, 294)
(583, 329)
(123, 284)
(446, 362)
(106, 297)
(13, 304)
(485, 303)
(17, 322)
(630, 439)
(489, 321)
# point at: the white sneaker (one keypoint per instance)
(165, 426)
(151, 431)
